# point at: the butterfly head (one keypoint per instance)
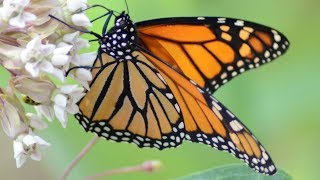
(118, 40)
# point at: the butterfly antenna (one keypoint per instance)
(127, 6)
(98, 5)
(75, 28)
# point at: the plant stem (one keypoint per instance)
(83, 152)
(116, 171)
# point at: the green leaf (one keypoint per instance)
(235, 172)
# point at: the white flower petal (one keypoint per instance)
(36, 155)
(11, 119)
(28, 17)
(17, 148)
(73, 109)
(70, 38)
(46, 67)
(87, 59)
(17, 21)
(47, 49)
(78, 97)
(35, 121)
(20, 160)
(33, 69)
(61, 115)
(29, 140)
(82, 43)
(67, 89)
(63, 49)
(23, 3)
(75, 60)
(81, 20)
(34, 43)
(60, 60)
(46, 111)
(83, 74)
(41, 142)
(59, 74)
(25, 55)
(5, 13)
(60, 100)
(74, 5)
(63, 44)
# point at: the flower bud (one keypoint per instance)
(151, 166)
(81, 20)
(12, 116)
(38, 89)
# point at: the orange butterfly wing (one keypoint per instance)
(211, 51)
(161, 96)
(130, 101)
(208, 121)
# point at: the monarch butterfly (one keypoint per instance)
(155, 81)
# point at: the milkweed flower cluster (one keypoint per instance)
(37, 51)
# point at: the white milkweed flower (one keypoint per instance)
(65, 102)
(47, 58)
(46, 110)
(61, 61)
(81, 20)
(12, 115)
(38, 89)
(81, 75)
(18, 126)
(78, 19)
(36, 122)
(13, 118)
(13, 12)
(74, 5)
(28, 145)
(60, 56)
(35, 47)
(37, 57)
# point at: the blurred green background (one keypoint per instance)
(279, 102)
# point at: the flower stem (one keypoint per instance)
(83, 152)
(116, 171)
(147, 166)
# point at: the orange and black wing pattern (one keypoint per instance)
(210, 50)
(130, 101)
(207, 121)
(152, 83)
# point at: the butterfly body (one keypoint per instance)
(117, 42)
(156, 79)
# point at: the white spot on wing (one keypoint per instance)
(169, 95)
(230, 114)
(216, 106)
(221, 20)
(214, 139)
(236, 126)
(97, 129)
(267, 54)
(265, 156)
(239, 23)
(176, 106)
(181, 125)
(277, 37)
(161, 78)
